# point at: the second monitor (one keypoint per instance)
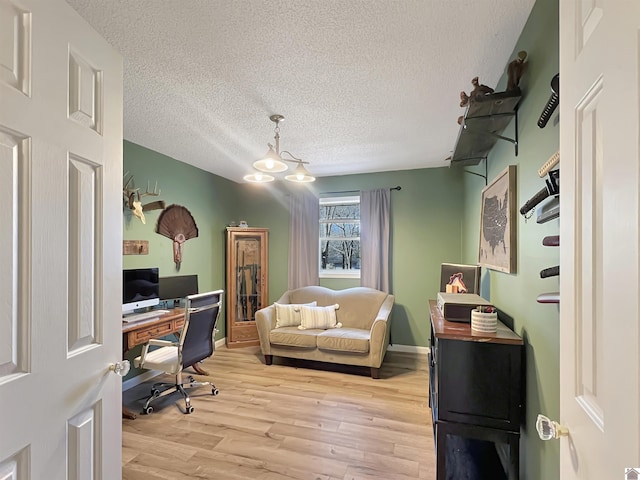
(176, 288)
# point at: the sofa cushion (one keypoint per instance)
(292, 337)
(344, 340)
(289, 315)
(319, 317)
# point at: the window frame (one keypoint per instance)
(326, 273)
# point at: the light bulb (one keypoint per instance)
(258, 177)
(269, 163)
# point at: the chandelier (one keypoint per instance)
(273, 162)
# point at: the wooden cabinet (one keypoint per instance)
(246, 282)
(475, 395)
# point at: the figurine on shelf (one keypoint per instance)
(464, 99)
(478, 90)
(515, 69)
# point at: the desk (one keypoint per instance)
(137, 333)
(475, 389)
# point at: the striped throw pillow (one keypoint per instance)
(288, 315)
(319, 317)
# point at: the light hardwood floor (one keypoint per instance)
(286, 421)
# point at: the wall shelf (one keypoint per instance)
(483, 123)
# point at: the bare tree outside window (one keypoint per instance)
(340, 237)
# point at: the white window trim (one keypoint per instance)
(335, 201)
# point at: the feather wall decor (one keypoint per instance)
(177, 223)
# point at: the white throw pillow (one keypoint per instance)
(288, 315)
(319, 317)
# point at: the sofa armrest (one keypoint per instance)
(379, 338)
(265, 322)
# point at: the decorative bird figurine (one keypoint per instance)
(479, 89)
(464, 99)
(515, 69)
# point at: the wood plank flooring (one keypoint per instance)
(291, 420)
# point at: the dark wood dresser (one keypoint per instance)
(476, 399)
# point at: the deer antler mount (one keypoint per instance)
(133, 198)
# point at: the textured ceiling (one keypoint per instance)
(364, 85)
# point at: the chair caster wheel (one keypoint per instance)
(191, 379)
(190, 409)
(214, 391)
(148, 410)
(155, 392)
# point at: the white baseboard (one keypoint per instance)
(408, 349)
(149, 374)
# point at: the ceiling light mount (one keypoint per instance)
(273, 162)
(276, 119)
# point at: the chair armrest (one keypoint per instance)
(265, 322)
(156, 342)
(379, 337)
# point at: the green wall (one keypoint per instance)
(209, 198)
(515, 294)
(425, 231)
(425, 228)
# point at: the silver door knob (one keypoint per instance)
(120, 368)
(548, 429)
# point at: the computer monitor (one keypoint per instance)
(457, 274)
(140, 288)
(178, 287)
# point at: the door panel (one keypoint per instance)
(599, 217)
(60, 282)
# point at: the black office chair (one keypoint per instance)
(194, 345)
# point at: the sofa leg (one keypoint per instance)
(268, 359)
(375, 372)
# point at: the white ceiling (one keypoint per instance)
(364, 85)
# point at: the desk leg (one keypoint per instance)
(198, 369)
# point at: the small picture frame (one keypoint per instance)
(498, 223)
(455, 273)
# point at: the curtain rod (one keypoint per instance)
(356, 191)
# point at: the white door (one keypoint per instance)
(599, 216)
(60, 245)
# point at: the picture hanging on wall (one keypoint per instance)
(498, 223)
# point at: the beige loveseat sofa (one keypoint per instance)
(362, 339)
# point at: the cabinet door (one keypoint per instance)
(246, 283)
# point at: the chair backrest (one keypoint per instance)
(201, 316)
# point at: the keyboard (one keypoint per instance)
(136, 317)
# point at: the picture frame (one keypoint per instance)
(469, 274)
(498, 223)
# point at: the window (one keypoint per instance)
(340, 237)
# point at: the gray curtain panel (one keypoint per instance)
(304, 211)
(374, 238)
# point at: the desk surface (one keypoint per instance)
(172, 315)
(462, 331)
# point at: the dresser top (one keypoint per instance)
(444, 329)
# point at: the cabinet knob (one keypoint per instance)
(549, 429)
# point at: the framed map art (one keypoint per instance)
(498, 223)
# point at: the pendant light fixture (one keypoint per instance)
(273, 162)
